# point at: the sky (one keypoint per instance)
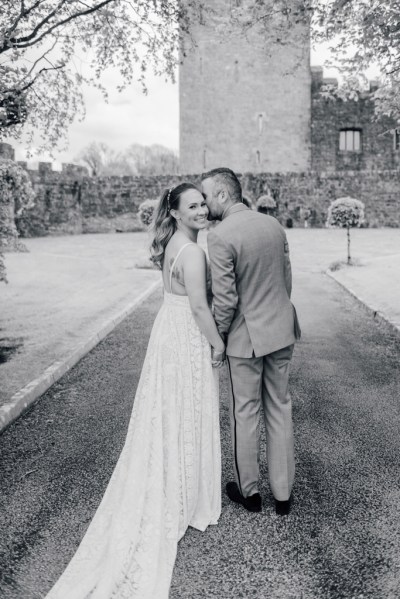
(131, 117)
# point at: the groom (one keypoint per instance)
(251, 283)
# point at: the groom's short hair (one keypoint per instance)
(227, 177)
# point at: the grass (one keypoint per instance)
(339, 264)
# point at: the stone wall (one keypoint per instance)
(68, 204)
(330, 115)
(297, 192)
(112, 203)
(57, 208)
(71, 202)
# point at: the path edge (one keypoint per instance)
(30, 393)
(377, 316)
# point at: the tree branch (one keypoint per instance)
(393, 71)
(39, 59)
(17, 20)
(24, 12)
(28, 85)
(31, 8)
(266, 16)
(38, 27)
(31, 39)
(58, 67)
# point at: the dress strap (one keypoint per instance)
(174, 263)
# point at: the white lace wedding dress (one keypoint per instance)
(168, 476)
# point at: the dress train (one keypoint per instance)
(168, 476)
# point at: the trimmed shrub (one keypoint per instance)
(146, 211)
(266, 204)
(346, 213)
(266, 201)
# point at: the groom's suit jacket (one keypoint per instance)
(251, 283)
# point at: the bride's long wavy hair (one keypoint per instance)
(164, 224)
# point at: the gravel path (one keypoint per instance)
(342, 538)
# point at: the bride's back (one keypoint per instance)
(173, 272)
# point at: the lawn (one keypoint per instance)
(65, 288)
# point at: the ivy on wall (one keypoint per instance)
(16, 194)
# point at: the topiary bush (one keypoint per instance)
(266, 204)
(347, 213)
(146, 211)
(16, 194)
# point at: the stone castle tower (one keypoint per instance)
(243, 106)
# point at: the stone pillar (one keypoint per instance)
(45, 167)
(74, 169)
(317, 75)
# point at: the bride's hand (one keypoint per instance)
(218, 355)
(218, 352)
(217, 363)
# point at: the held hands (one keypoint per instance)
(217, 357)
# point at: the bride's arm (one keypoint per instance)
(195, 275)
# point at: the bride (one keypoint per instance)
(168, 476)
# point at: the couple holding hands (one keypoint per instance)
(168, 476)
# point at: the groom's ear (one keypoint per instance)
(223, 195)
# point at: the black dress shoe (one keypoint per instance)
(282, 508)
(252, 503)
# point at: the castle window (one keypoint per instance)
(260, 122)
(204, 159)
(258, 155)
(201, 65)
(350, 140)
(236, 70)
(396, 139)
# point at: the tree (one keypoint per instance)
(135, 160)
(346, 212)
(360, 33)
(151, 160)
(364, 34)
(40, 43)
(98, 157)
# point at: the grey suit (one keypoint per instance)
(251, 283)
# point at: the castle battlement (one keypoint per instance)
(43, 168)
(7, 151)
(318, 80)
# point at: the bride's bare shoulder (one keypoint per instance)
(194, 247)
(193, 258)
(194, 251)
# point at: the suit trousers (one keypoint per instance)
(255, 384)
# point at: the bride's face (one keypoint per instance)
(192, 211)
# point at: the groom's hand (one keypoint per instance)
(217, 363)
